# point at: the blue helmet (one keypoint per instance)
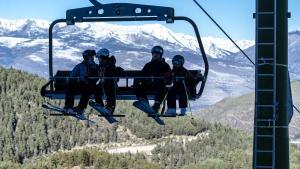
(103, 53)
(178, 60)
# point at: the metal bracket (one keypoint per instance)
(119, 10)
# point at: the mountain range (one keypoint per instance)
(24, 45)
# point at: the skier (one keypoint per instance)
(79, 81)
(157, 67)
(107, 69)
(180, 86)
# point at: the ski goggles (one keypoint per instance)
(102, 56)
(176, 63)
(160, 51)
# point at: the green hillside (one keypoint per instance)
(238, 112)
(29, 139)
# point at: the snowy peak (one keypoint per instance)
(217, 47)
(295, 32)
(16, 25)
(133, 35)
(25, 28)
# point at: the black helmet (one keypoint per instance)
(158, 49)
(88, 53)
(178, 60)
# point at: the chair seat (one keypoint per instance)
(125, 90)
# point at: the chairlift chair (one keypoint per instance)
(118, 12)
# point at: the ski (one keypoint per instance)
(62, 112)
(103, 112)
(144, 107)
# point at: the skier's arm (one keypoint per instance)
(75, 71)
(168, 74)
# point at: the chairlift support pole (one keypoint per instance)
(282, 83)
(271, 138)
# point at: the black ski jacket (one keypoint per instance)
(156, 68)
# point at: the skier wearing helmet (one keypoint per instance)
(179, 87)
(157, 67)
(107, 68)
(79, 82)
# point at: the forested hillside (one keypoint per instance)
(29, 139)
(238, 112)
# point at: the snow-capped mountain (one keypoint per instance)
(27, 28)
(33, 29)
(293, 53)
(24, 45)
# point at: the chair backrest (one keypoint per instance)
(61, 80)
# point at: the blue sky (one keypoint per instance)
(235, 16)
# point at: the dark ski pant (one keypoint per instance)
(142, 86)
(86, 90)
(74, 88)
(174, 91)
(109, 88)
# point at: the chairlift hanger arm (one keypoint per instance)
(119, 10)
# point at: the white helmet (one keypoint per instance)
(103, 53)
